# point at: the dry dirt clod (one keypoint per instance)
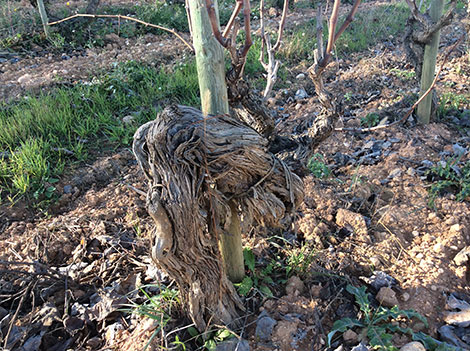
(295, 286)
(387, 297)
(352, 221)
(283, 333)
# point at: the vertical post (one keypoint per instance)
(209, 61)
(44, 19)
(214, 100)
(429, 64)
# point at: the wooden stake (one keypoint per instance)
(429, 64)
(209, 61)
(44, 19)
(231, 247)
(214, 100)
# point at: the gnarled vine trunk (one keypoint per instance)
(197, 168)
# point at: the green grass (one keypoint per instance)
(39, 131)
(450, 102)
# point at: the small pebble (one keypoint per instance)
(413, 346)
(387, 297)
(405, 296)
(350, 337)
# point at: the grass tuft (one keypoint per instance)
(40, 132)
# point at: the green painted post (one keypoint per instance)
(214, 100)
(209, 60)
(44, 19)
(429, 64)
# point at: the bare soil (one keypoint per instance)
(372, 214)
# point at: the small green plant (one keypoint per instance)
(403, 73)
(317, 166)
(348, 96)
(371, 120)
(56, 40)
(258, 280)
(299, 261)
(377, 325)
(46, 189)
(449, 176)
(11, 41)
(211, 338)
(158, 307)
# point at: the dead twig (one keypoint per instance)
(53, 273)
(138, 191)
(272, 66)
(410, 111)
(13, 319)
(172, 31)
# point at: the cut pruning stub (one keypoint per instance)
(197, 168)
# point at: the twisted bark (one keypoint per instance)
(197, 169)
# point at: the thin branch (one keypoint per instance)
(348, 19)
(261, 21)
(414, 9)
(272, 66)
(319, 50)
(246, 15)
(172, 31)
(281, 25)
(215, 24)
(188, 16)
(236, 11)
(410, 111)
(332, 27)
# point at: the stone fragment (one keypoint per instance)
(301, 94)
(395, 173)
(360, 347)
(128, 119)
(458, 150)
(233, 345)
(25, 79)
(413, 346)
(405, 296)
(300, 76)
(387, 297)
(264, 327)
(462, 257)
(379, 279)
(350, 337)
